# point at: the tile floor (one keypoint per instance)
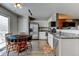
(36, 50)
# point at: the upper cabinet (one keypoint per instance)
(64, 20)
(63, 16)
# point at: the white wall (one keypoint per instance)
(23, 24)
(52, 17)
(13, 19)
(42, 23)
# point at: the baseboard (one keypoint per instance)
(35, 39)
(42, 39)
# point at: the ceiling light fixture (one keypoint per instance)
(18, 5)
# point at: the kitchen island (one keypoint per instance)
(65, 43)
(53, 41)
(68, 44)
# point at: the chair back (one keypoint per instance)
(22, 33)
(7, 35)
(29, 38)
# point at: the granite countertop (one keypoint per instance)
(65, 35)
(68, 34)
(68, 37)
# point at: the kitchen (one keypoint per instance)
(66, 39)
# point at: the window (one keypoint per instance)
(3, 29)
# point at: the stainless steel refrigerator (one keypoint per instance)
(34, 31)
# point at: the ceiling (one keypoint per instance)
(45, 10)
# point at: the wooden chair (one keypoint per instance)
(22, 43)
(29, 41)
(8, 43)
(16, 45)
(22, 33)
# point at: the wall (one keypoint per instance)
(42, 23)
(52, 17)
(13, 19)
(23, 24)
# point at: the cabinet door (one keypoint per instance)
(57, 50)
(68, 47)
(50, 40)
(42, 35)
(77, 47)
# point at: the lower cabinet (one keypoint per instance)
(50, 39)
(77, 46)
(57, 51)
(42, 35)
(69, 47)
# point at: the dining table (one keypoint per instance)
(17, 41)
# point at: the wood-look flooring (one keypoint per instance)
(37, 50)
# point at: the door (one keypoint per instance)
(34, 30)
